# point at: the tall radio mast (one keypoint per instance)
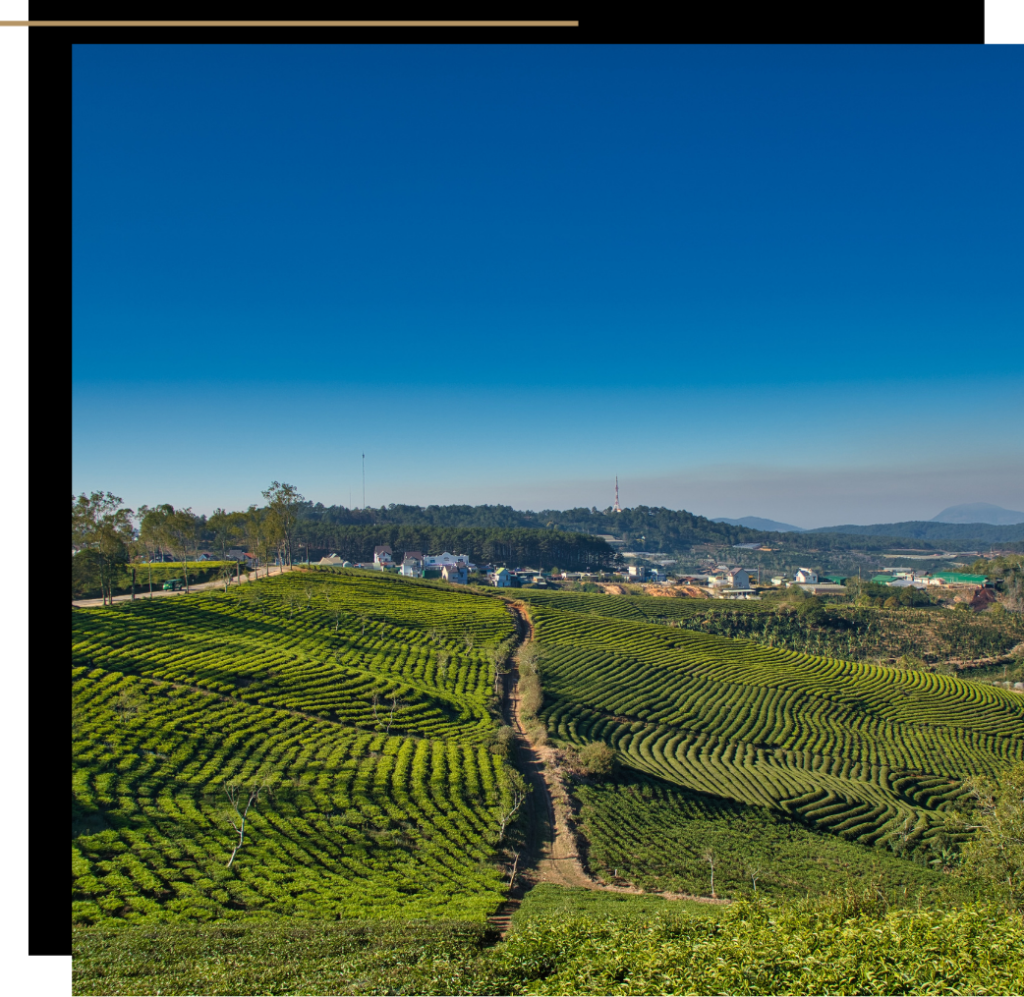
(617, 507)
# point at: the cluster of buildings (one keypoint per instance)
(414, 564)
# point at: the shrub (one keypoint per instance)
(597, 758)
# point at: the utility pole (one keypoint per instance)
(364, 481)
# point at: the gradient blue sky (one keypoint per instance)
(776, 281)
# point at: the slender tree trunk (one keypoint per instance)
(241, 835)
(151, 579)
(133, 585)
(184, 557)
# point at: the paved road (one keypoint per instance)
(143, 592)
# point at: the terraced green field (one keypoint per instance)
(655, 835)
(360, 701)
(868, 753)
(641, 608)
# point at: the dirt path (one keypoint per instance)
(143, 587)
(555, 857)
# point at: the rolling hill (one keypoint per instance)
(757, 523)
(355, 719)
(932, 532)
(979, 512)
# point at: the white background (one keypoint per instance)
(43, 976)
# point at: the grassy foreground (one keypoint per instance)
(834, 948)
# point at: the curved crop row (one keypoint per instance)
(867, 753)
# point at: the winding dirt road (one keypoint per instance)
(555, 855)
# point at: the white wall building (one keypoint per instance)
(804, 576)
(440, 560)
(739, 578)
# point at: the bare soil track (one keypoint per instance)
(553, 851)
(144, 593)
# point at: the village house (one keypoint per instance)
(502, 578)
(440, 560)
(382, 555)
(805, 576)
(457, 574)
(739, 578)
(412, 564)
(637, 572)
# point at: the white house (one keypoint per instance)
(455, 573)
(637, 572)
(738, 578)
(382, 555)
(440, 560)
(804, 576)
(502, 578)
(331, 559)
(412, 564)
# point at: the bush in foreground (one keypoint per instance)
(836, 948)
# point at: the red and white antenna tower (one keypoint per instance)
(617, 507)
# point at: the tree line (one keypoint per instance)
(653, 528)
(106, 535)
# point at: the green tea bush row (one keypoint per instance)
(360, 706)
(749, 948)
(869, 753)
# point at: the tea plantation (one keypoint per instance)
(355, 715)
(356, 701)
(867, 753)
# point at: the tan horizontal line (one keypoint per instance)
(289, 24)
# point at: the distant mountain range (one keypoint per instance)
(979, 512)
(973, 522)
(959, 533)
(757, 523)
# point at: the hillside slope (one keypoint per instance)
(360, 702)
(861, 751)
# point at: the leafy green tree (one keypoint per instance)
(102, 528)
(178, 530)
(145, 544)
(283, 502)
(257, 534)
(227, 528)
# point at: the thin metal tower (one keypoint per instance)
(617, 507)
(364, 481)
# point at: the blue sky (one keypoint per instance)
(777, 281)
